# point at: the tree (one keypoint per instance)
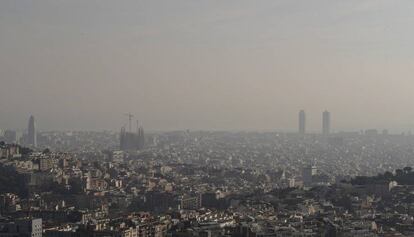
(399, 172)
(25, 151)
(388, 176)
(12, 182)
(407, 169)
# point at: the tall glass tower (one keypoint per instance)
(302, 122)
(31, 132)
(326, 123)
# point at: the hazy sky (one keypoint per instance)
(206, 64)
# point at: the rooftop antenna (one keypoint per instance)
(130, 116)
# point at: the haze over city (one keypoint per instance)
(206, 118)
(210, 65)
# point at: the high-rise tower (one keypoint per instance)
(326, 123)
(302, 122)
(31, 132)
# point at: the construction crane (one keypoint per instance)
(130, 116)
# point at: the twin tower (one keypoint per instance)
(326, 122)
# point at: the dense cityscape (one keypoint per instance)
(200, 183)
(214, 118)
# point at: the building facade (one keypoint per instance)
(302, 122)
(326, 123)
(31, 132)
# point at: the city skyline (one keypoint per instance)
(236, 118)
(325, 128)
(233, 65)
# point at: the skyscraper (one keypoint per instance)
(31, 132)
(302, 122)
(326, 123)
